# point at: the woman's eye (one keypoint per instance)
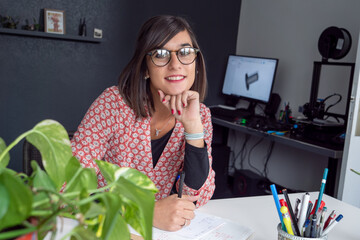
(185, 51)
(161, 54)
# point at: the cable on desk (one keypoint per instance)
(268, 155)
(249, 162)
(242, 153)
(232, 152)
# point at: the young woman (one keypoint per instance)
(154, 121)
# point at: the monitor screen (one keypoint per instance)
(251, 78)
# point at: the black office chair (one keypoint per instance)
(30, 152)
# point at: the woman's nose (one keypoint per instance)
(174, 61)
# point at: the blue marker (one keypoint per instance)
(322, 188)
(277, 203)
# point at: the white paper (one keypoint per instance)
(200, 225)
(205, 227)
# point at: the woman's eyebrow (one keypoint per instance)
(185, 45)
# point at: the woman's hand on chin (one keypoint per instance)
(185, 107)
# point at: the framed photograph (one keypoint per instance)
(97, 33)
(54, 21)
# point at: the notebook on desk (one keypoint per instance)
(204, 227)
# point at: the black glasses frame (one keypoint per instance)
(196, 50)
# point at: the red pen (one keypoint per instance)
(322, 204)
(283, 203)
(330, 218)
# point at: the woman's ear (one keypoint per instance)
(146, 75)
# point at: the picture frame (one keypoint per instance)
(54, 21)
(97, 33)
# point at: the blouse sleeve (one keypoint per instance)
(207, 189)
(90, 141)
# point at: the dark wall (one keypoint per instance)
(56, 79)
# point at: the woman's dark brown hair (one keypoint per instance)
(155, 33)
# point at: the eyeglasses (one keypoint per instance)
(161, 57)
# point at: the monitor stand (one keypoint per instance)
(231, 101)
(251, 108)
(248, 112)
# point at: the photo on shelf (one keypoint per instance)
(97, 33)
(54, 21)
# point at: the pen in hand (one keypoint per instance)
(181, 183)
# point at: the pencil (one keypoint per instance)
(293, 217)
(322, 188)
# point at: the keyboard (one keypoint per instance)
(228, 113)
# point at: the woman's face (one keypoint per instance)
(175, 77)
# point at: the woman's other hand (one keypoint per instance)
(172, 213)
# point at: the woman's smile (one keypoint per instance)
(175, 78)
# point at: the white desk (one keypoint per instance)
(260, 214)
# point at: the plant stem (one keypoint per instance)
(57, 194)
(68, 185)
(16, 141)
(15, 233)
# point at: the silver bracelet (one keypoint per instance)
(194, 136)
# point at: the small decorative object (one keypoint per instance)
(10, 22)
(54, 21)
(28, 26)
(82, 27)
(97, 33)
(31, 27)
(36, 25)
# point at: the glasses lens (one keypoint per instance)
(160, 57)
(187, 55)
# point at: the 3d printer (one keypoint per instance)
(322, 123)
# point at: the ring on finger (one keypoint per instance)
(185, 223)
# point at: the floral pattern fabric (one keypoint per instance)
(111, 132)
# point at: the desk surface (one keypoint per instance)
(259, 213)
(301, 144)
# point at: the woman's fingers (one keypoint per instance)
(177, 103)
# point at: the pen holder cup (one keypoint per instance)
(282, 235)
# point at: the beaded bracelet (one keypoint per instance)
(194, 136)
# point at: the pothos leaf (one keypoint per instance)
(52, 140)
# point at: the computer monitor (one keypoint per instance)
(250, 78)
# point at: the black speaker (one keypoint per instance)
(221, 155)
(273, 105)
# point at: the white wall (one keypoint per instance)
(349, 190)
(289, 30)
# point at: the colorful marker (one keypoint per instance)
(286, 219)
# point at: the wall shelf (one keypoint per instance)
(49, 35)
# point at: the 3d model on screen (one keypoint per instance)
(251, 79)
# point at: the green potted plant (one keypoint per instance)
(10, 22)
(34, 203)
